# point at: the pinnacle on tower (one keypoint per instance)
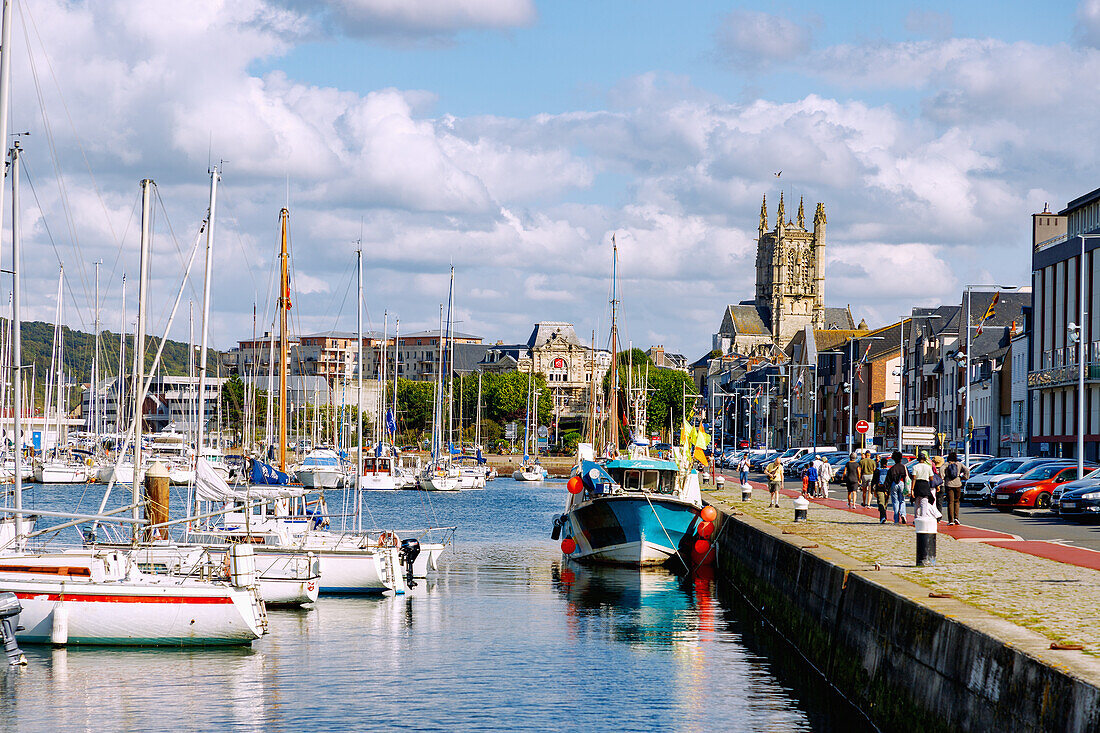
(801, 215)
(782, 211)
(764, 214)
(819, 215)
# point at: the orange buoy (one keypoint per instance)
(575, 485)
(708, 514)
(700, 547)
(705, 529)
(568, 545)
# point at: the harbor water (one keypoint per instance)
(505, 636)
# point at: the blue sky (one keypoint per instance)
(512, 137)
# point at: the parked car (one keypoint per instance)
(1033, 490)
(1080, 502)
(758, 462)
(979, 487)
(1091, 480)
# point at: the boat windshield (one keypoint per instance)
(321, 461)
(651, 480)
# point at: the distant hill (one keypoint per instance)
(38, 345)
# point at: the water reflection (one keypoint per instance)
(507, 637)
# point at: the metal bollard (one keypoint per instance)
(926, 540)
(719, 482)
(801, 509)
(746, 492)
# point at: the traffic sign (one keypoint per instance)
(919, 435)
(862, 427)
(543, 431)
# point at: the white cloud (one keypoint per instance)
(753, 39)
(414, 18)
(1087, 28)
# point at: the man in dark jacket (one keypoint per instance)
(954, 475)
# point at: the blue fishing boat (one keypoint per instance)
(628, 508)
(634, 511)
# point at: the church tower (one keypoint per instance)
(790, 272)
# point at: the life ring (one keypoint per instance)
(387, 539)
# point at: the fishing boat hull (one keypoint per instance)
(631, 530)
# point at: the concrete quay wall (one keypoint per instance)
(911, 662)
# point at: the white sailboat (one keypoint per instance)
(441, 474)
(531, 470)
(96, 596)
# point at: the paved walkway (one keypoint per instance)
(1078, 556)
(1049, 588)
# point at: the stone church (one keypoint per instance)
(790, 288)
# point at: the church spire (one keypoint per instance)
(801, 215)
(782, 211)
(764, 214)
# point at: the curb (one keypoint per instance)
(1046, 513)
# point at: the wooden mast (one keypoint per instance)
(284, 306)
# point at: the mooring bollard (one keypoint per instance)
(801, 508)
(746, 491)
(926, 540)
(720, 482)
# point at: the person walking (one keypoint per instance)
(897, 478)
(868, 468)
(923, 496)
(853, 477)
(774, 472)
(954, 474)
(824, 476)
(880, 488)
(811, 477)
(743, 468)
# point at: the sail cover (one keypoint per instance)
(211, 487)
(265, 475)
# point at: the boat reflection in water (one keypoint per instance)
(649, 607)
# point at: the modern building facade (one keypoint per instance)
(1064, 245)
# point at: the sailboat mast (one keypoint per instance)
(359, 388)
(95, 362)
(200, 431)
(437, 414)
(120, 410)
(613, 402)
(450, 365)
(284, 304)
(477, 437)
(139, 341)
(16, 290)
(396, 369)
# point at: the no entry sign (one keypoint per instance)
(862, 427)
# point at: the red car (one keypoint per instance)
(1034, 488)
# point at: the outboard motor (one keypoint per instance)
(410, 550)
(9, 624)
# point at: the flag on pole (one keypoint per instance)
(391, 424)
(989, 313)
(862, 361)
(798, 382)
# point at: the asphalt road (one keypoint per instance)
(1038, 526)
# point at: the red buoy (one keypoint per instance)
(568, 545)
(708, 514)
(700, 547)
(705, 529)
(575, 485)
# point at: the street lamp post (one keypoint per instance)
(966, 398)
(851, 383)
(901, 370)
(1080, 333)
(820, 353)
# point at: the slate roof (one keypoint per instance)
(746, 320)
(468, 356)
(839, 318)
(545, 330)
